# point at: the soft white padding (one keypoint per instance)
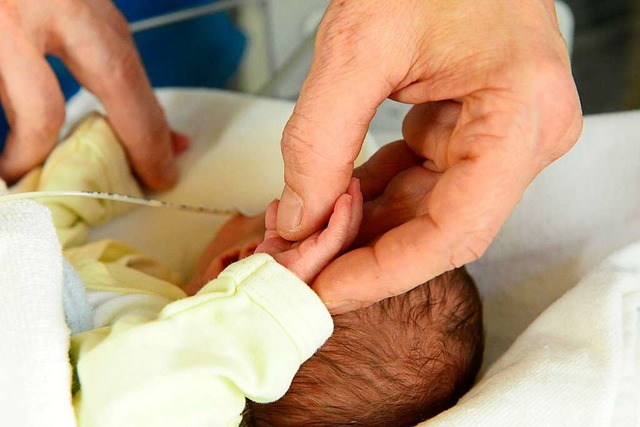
(35, 378)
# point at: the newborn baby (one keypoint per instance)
(395, 363)
(165, 354)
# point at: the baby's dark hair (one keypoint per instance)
(396, 363)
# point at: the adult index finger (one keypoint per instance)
(322, 139)
(102, 56)
(32, 100)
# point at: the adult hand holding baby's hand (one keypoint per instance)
(93, 41)
(307, 258)
(495, 104)
(242, 236)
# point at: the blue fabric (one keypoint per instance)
(203, 52)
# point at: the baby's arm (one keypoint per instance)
(244, 334)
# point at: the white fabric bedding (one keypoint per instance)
(35, 376)
(575, 363)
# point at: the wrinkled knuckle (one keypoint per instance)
(470, 250)
(125, 61)
(296, 145)
(119, 23)
(341, 34)
(293, 136)
(341, 23)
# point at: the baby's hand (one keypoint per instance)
(307, 258)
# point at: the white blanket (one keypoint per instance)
(35, 377)
(575, 363)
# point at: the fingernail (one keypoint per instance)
(179, 143)
(289, 210)
(342, 306)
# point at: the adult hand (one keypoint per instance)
(306, 258)
(93, 40)
(515, 111)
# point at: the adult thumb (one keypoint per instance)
(325, 134)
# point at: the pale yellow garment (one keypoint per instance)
(91, 158)
(159, 358)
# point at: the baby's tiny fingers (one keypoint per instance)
(332, 239)
(354, 190)
(270, 215)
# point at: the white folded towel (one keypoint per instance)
(577, 364)
(35, 377)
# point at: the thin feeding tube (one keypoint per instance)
(118, 198)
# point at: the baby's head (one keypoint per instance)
(395, 363)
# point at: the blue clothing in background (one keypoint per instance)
(202, 52)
